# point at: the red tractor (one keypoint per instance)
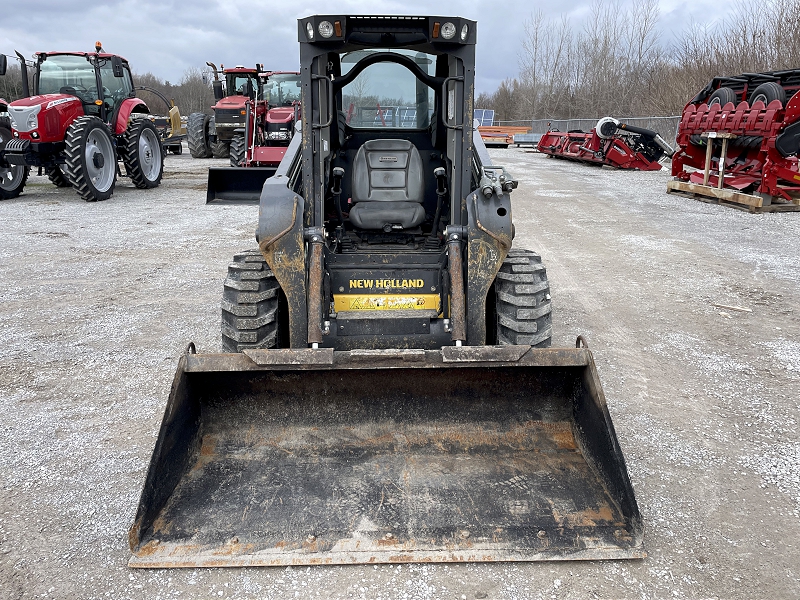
(260, 141)
(211, 135)
(270, 123)
(82, 119)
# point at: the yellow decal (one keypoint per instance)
(357, 302)
(386, 284)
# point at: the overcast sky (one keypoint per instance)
(165, 38)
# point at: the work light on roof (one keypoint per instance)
(448, 30)
(464, 32)
(325, 29)
(310, 31)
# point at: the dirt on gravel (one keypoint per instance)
(691, 311)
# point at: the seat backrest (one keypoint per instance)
(387, 171)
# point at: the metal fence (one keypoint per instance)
(666, 127)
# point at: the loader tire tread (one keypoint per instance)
(522, 297)
(249, 304)
(237, 151)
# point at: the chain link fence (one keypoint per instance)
(666, 127)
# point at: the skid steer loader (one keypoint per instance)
(388, 393)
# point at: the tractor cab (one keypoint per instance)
(240, 81)
(100, 81)
(282, 89)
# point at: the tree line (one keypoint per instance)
(618, 63)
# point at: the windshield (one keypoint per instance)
(282, 90)
(237, 84)
(72, 75)
(387, 95)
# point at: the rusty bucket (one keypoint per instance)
(301, 457)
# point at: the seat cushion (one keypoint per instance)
(374, 215)
(387, 171)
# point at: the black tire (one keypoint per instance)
(91, 159)
(143, 154)
(57, 177)
(250, 304)
(197, 135)
(767, 92)
(13, 177)
(220, 149)
(522, 301)
(722, 96)
(237, 151)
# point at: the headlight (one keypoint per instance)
(464, 32)
(325, 29)
(310, 31)
(33, 122)
(448, 30)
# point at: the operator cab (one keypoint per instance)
(282, 89)
(82, 75)
(243, 83)
(389, 159)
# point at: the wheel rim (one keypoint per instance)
(100, 160)
(149, 155)
(760, 98)
(10, 178)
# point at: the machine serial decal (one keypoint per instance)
(401, 284)
(356, 302)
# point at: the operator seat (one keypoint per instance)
(388, 188)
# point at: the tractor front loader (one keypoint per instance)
(387, 392)
(260, 142)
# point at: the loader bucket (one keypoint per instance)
(303, 457)
(236, 185)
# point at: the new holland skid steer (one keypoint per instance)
(388, 393)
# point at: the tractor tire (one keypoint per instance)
(767, 92)
(522, 301)
(197, 135)
(220, 149)
(143, 154)
(237, 151)
(13, 177)
(722, 96)
(57, 177)
(250, 305)
(91, 159)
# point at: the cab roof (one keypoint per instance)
(84, 54)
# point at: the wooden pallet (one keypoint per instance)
(731, 198)
(500, 135)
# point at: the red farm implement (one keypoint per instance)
(609, 143)
(739, 140)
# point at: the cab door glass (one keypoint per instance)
(115, 89)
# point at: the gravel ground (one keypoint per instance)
(99, 300)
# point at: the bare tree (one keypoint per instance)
(616, 63)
